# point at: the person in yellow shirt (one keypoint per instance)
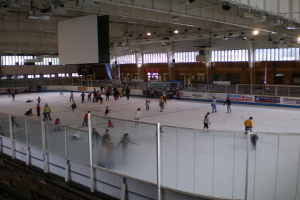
(248, 125)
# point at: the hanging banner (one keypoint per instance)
(108, 71)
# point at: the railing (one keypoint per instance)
(268, 90)
(219, 163)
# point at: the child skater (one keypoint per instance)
(107, 110)
(110, 124)
(73, 106)
(147, 104)
(206, 121)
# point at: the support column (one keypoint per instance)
(139, 63)
(171, 63)
(208, 67)
(251, 61)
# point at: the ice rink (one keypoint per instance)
(211, 164)
(177, 112)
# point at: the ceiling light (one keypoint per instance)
(55, 9)
(247, 15)
(44, 17)
(15, 4)
(176, 31)
(298, 40)
(148, 34)
(291, 26)
(261, 18)
(86, 3)
(226, 6)
(276, 22)
(3, 10)
(255, 32)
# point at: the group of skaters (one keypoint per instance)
(105, 148)
(248, 123)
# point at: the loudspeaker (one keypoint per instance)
(50, 63)
(173, 60)
(202, 52)
(115, 62)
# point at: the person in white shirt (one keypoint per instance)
(137, 116)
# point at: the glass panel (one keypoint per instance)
(34, 129)
(262, 168)
(19, 129)
(169, 160)
(4, 124)
(204, 160)
(55, 140)
(78, 145)
(288, 167)
(223, 156)
(185, 159)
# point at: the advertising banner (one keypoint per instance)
(266, 99)
(241, 98)
(291, 101)
(81, 88)
(219, 96)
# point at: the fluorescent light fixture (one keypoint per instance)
(276, 22)
(86, 3)
(3, 10)
(291, 26)
(15, 4)
(56, 9)
(260, 19)
(255, 32)
(247, 15)
(44, 16)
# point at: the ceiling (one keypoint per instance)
(30, 27)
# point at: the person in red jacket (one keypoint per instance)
(38, 109)
(85, 119)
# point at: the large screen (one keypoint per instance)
(82, 41)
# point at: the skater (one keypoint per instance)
(71, 96)
(147, 104)
(96, 137)
(178, 94)
(57, 122)
(228, 102)
(73, 106)
(127, 91)
(254, 139)
(124, 143)
(13, 122)
(47, 112)
(107, 94)
(110, 124)
(82, 97)
(206, 122)
(137, 116)
(161, 104)
(213, 104)
(105, 137)
(38, 110)
(29, 112)
(107, 110)
(76, 135)
(89, 97)
(109, 153)
(28, 101)
(60, 92)
(101, 89)
(85, 119)
(39, 99)
(248, 125)
(13, 96)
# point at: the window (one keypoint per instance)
(30, 76)
(152, 76)
(155, 58)
(46, 75)
(61, 75)
(20, 76)
(75, 75)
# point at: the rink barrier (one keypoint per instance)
(36, 144)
